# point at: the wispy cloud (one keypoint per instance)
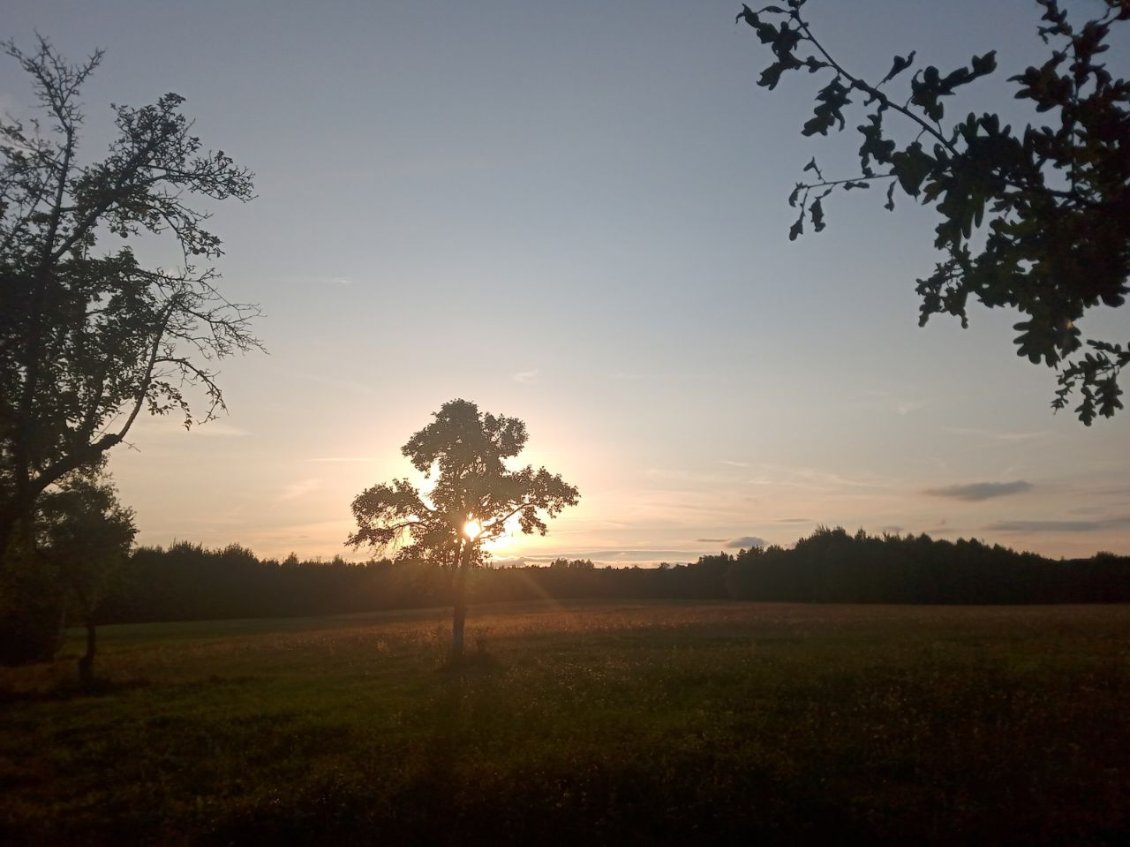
(525, 377)
(1058, 526)
(733, 464)
(173, 427)
(1122, 491)
(998, 436)
(814, 479)
(682, 475)
(898, 405)
(627, 554)
(342, 459)
(745, 542)
(795, 520)
(941, 529)
(219, 429)
(710, 540)
(977, 491)
(299, 489)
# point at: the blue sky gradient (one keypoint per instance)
(575, 214)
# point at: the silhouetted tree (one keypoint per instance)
(90, 339)
(474, 497)
(1038, 220)
(86, 533)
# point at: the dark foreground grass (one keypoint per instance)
(594, 723)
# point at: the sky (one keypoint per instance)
(575, 214)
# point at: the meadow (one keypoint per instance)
(652, 722)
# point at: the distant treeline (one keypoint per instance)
(189, 582)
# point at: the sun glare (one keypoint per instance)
(472, 529)
(510, 533)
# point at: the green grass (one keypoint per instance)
(588, 723)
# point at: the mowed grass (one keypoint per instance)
(584, 723)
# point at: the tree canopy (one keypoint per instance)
(474, 497)
(83, 530)
(1037, 219)
(91, 338)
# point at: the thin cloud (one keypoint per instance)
(710, 540)
(899, 405)
(733, 464)
(342, 459)
(525, 377)
(630, 555)
(814, 479)
(1058, 526)
(760, 480)
(219, 429)
(299, 489)
(795, 520)
(998, 436)
(745, 542)
(940, 530)
(173, 427)
(905, 407)
(977, 491)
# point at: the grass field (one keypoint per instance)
(588, 723)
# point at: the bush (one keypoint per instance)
(32, 607)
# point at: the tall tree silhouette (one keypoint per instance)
(474, 497)
(90, 339)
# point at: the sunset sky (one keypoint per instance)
(575, 214)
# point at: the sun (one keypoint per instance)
(471, 529)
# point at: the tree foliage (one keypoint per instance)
(474, 497)
(83, 527)
(86, 534)
(1037, 218)
(91, 338)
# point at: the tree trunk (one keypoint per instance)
(459, 600)
(86, 663)
(459, 618)
(459, 615)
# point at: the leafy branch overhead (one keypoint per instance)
(1036, 218)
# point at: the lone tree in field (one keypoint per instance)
(89, 338)
(1038, 219)
(85, 534)
(474, 498)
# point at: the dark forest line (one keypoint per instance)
(189, 582)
